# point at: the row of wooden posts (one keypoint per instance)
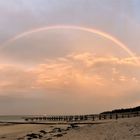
(76, 118)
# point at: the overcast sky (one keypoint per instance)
(68, 71)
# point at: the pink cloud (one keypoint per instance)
(74, 71)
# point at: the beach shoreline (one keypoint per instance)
(125, 128)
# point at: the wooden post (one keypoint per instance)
(110, 116)
(93, 118)
(99, 117)
(116, 116)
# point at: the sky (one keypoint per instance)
(69, 56)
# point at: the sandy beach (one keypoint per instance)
(121, 129)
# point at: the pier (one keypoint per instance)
(81, 118)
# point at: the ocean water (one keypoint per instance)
(12, 118)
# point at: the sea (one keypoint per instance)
(13, 118)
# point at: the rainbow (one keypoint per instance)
(90, 30)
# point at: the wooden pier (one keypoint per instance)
(81, 118)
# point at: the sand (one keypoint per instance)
(121, 129)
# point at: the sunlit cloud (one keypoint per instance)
(74, 71)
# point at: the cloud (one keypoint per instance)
(76, 70)
(81, 79)
(15, 78)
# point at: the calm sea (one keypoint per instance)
(12, 118)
